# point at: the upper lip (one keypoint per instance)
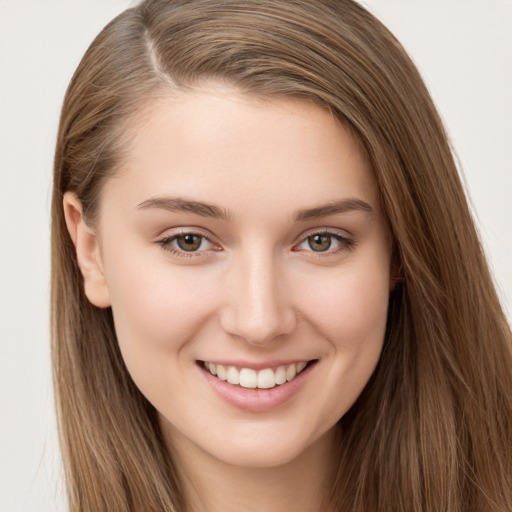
(261, 365)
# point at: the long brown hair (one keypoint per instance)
(432, 430)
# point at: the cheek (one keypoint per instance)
(350, 313)
(156, 308)
(158, 314)
(351, 308)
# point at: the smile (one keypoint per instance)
(267, 378)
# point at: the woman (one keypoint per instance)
(268, 291)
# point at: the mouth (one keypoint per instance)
(265, 378)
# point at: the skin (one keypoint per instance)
(257, 291)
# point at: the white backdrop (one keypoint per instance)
(462, 47)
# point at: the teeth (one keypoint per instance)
(249, 378)
(281, 375)
(221, 372)
(266, 379)
(233, 375)
(291, 371)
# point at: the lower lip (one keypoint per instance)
(257, 400)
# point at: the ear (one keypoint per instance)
(87, 252)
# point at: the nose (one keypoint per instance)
(259, 307)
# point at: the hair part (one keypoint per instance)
(433, 427)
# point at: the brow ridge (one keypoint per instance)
(180, 204)
(332, 208)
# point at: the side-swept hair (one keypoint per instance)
(432, 430)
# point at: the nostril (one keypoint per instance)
(259, 329)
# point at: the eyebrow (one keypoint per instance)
(332, 208)
(179, 204)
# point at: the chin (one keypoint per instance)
(269, 448)
(259, 457)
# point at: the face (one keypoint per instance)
(246, 258)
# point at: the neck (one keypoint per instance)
(211, 485)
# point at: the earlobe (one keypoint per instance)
(87, 252)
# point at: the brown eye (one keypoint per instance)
(325, 243)
(319, 242)
(189, 242)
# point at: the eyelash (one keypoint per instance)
(345, 242)
(167, 241)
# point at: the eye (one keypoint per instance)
(319, 242)
(189, 242)
(325, 242)
(186, 244)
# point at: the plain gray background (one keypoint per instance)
(464, 51)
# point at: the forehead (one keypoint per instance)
(219, 145)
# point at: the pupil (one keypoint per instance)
(319, 243)
(189, 242)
